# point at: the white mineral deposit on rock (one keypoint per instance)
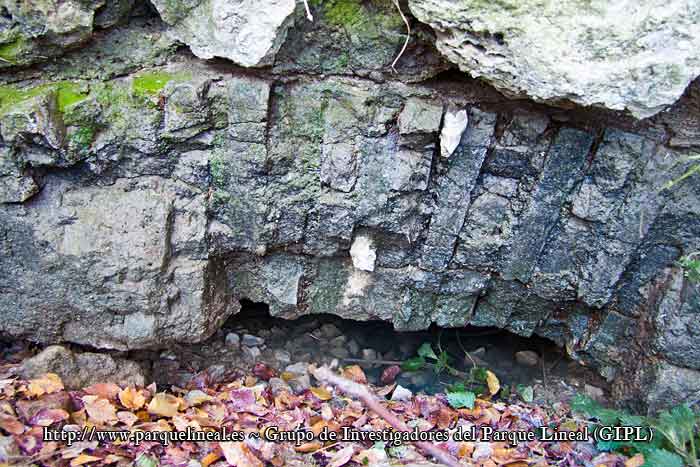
(363, 253)
(452, 130)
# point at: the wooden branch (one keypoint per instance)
(371, 401)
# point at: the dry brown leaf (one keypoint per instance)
(84, 459)
(492, 382)
(355, 373)
(165, 405)
(321, 393)
(11, 424)
(131, 398)
(308, 447)
(238, 454)
(100, 411)
(127, 418)
(47, 384)
(107, 391)
(635, 461)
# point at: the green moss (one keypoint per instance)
(151, 83)
(10, 50)
(67, 94)
(344, 12)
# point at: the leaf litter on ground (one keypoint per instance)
(249, 404)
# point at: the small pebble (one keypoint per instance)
(527, 358)
(252, 341)
(369, 354)
(338, 341)
(353, 347)
(277, 385)
(283, 357)
(401, 394)
(233, 339)
(328, 331)
(252, 353)
(482, 451)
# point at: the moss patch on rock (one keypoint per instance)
(67, 94)
(152, 82)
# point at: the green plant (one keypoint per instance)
(691, 266)
(676, 433)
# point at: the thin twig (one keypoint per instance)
(309, 16)
(408, 36)
(371, 401)
(373, 362)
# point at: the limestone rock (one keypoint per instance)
(81, 369)
(248, 32)
(35, 31)
(556, 51)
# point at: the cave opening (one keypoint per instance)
(255, 336)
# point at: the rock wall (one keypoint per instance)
(146, 190)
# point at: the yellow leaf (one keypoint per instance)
(492, 382)
(210, 459)
(131, 398)
(636, 461)
(197, 397)
(83, 459)
(287, 376)
(321, 393)
(165, 405)
(47, 384)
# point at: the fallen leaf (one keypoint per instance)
(355, 373)
(238, 454)
(11, 424)
(635, 461)
(210, 459)
(321, 393)
(165, 405)
(84, 459)
(342, 457)
(100, 411)
(47, 417)
(146, 461)
(308, 447)
(390, 373)
(197, 397)
(131, 398)
(47, 384)
(127, 418)
(104, 390)
(492, 382)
